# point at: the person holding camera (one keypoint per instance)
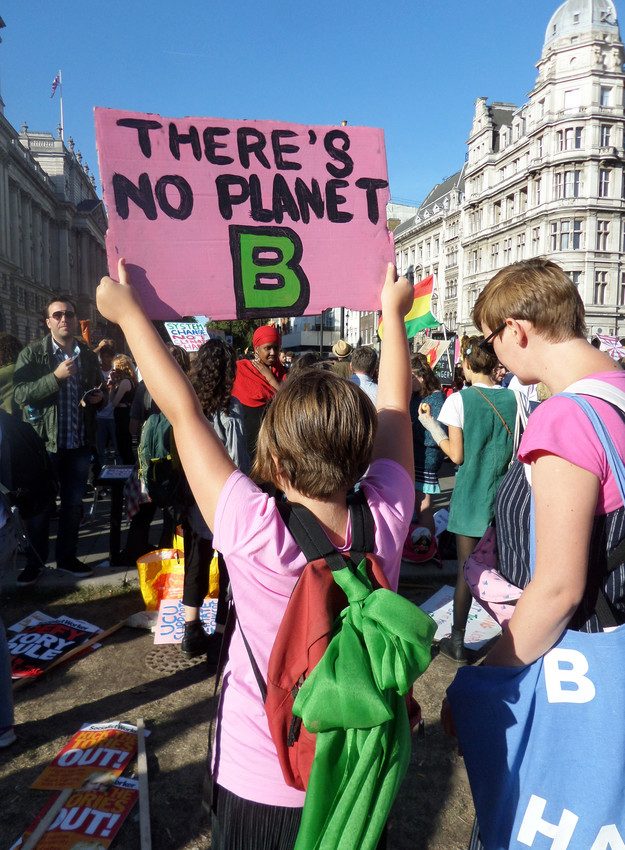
(57, 381)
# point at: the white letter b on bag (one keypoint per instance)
(575, 666)
(533, 824)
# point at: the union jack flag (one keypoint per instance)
(56, 82)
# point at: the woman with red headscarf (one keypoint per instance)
(257, 380)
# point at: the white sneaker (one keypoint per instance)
(7, 737)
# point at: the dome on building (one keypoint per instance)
(583, 16)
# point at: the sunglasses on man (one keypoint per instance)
(58, 315)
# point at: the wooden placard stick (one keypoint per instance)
(144, 790)
(35, 837)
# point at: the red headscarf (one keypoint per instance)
(266, 335)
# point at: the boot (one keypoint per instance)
(453, 647)
(195, 641)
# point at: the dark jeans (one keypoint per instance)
(71, 466)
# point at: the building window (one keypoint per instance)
(509, 206)
(576, 278)
(570, 139)
(535, 240)
(522, 200)
(537, 188)
(567, 183)
(494, 255)
(566, 235)
(497, 212)
(571, 100)
(604, 182)
(621, 293)
(507, 251)
(520, 246)
(601, 284)
(539, 146)
(604, 136)
(603, 231)
(605, 96)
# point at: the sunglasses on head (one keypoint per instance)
(487, 343)
(58, 315)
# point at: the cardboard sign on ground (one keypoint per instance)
(480, 626)
(89, 820)
(170, 622)
(37, 645)
(245, 219)
(99, 752)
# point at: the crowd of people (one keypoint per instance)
(258, 433)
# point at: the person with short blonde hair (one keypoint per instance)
(122, 388)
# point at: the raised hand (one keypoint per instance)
(117, 301)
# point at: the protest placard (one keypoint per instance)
(36, 646)
(170, 622)
(241, 219)
(480, 628)
(98, 752)
(187, 335)
(90, 819)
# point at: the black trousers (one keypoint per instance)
(239, 824)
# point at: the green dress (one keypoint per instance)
(487, 454)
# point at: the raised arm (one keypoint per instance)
(394, 435)
(204, 459)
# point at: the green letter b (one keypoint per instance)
(268, 279)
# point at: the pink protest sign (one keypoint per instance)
(240, 219)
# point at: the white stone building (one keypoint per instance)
(52, 227)
(546, 178)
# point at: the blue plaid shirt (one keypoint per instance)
(70, 428)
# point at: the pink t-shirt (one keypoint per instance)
(264, 563)
(558, 426)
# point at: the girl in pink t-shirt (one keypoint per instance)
(325, 437)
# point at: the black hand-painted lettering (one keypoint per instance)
(309, 199)
(185, 192)
(337, 143)
(143, 127)
(371, 186)
(226, 199)
(334, 201)
(312, 137)
(283, 201)
(258, 212)
(141, 195)
(176, 138)
(250, 140)
(279, 149)
(211, 146)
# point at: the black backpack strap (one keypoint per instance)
(309, 536)
(363, 527)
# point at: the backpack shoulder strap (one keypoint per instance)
(363, 527)
(309, 535)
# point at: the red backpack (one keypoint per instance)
(307, 627)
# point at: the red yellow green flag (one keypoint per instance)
(420, 316)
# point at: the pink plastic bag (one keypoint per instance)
(487, 585)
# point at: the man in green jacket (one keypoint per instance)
(57, 380)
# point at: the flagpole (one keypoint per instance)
(61, 102)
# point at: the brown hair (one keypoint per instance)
(419, 364)
(321, 428)
(479, 360)
(123, 363)
(537, 290)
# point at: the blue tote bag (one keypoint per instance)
(544, 745)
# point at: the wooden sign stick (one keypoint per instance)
(35, 837)
(144, 790)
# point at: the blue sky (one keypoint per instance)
(413, 68)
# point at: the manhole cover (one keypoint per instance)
(168, 659)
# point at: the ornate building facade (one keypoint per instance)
(546, 178)
(52, 227)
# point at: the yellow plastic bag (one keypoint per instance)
(161, 576)
(213, 576)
